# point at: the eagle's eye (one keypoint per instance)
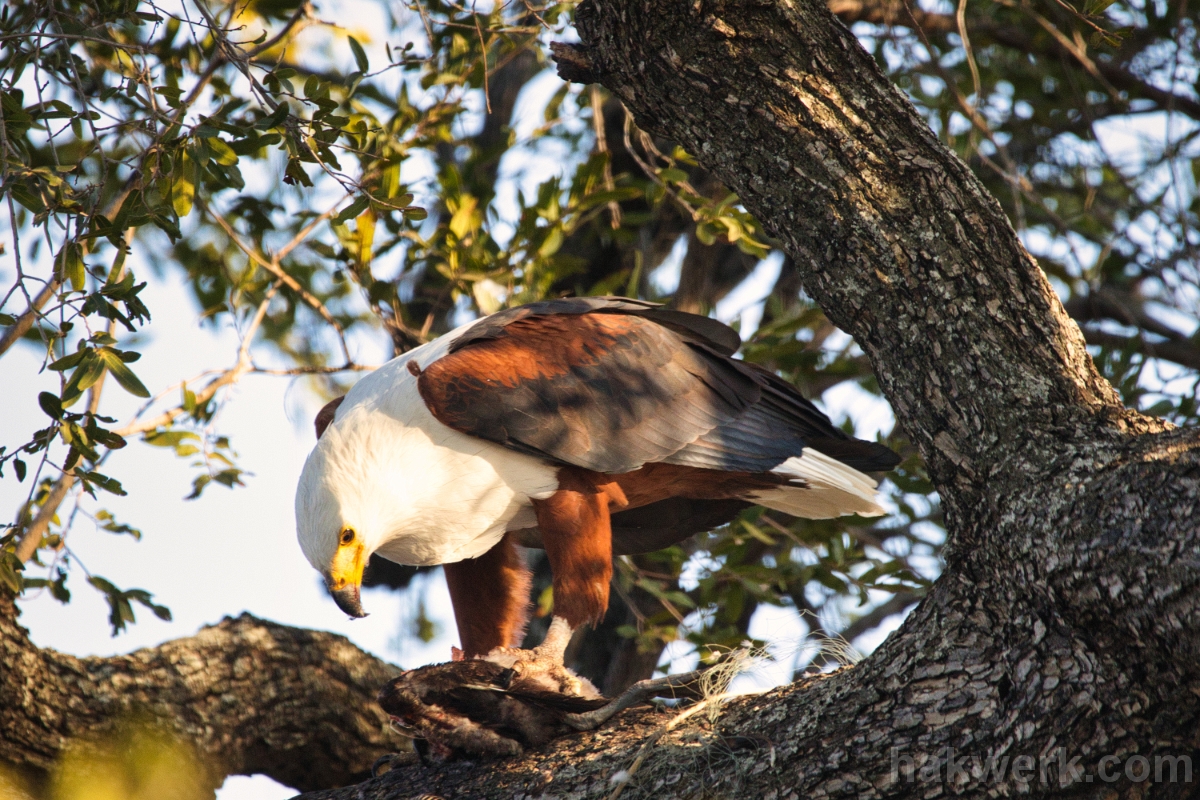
(347, 536)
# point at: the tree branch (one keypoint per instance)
(249, 696)
(1112, 73)
(1180, 353)
(14, 332)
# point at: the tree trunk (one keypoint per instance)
(1059, 648)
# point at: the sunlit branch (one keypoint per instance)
(25, 321)
(1178, 352)
(314, 370)
(614, 208)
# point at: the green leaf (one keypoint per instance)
(58, 587)
(360, 55)
(673, 175)
(1096, 7)
(168, 438)
(90, 370)
(143, 597)
(124, 375)
(351, 211)
(463, 220)
(10, 573)
(222, 153)
(120, 612)
(183, 190)
(294, 174)
(120, 608)
(110, 524)
(110, 485)
(553, 241)
(51, 405)
(66, 362)
(273, 119)
(188, 400)
(71, 267)
(106, 437)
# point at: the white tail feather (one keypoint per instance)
(831, 489)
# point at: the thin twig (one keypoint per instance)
(487, 93)
(614, 208)
(961, 18)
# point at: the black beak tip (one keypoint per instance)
(347, 599)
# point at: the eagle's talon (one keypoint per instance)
(485, 709)
(535, 668)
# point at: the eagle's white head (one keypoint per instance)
(347, 506)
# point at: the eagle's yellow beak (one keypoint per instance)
(344, 578)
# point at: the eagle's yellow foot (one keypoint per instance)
(543, 665)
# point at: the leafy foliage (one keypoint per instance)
(314, 185)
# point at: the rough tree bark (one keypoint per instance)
(248, 696)
(1064, 628)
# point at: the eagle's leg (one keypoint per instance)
(575, 530)
(554, 646)
(490, 595)
(577, 534)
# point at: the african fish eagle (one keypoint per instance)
(588, 427)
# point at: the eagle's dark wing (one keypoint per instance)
(610, 384)
(604, 391)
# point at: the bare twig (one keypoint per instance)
(313, 370)
(652, 173)
(614, 208)
(961, 19)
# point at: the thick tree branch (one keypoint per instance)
(249, 696)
